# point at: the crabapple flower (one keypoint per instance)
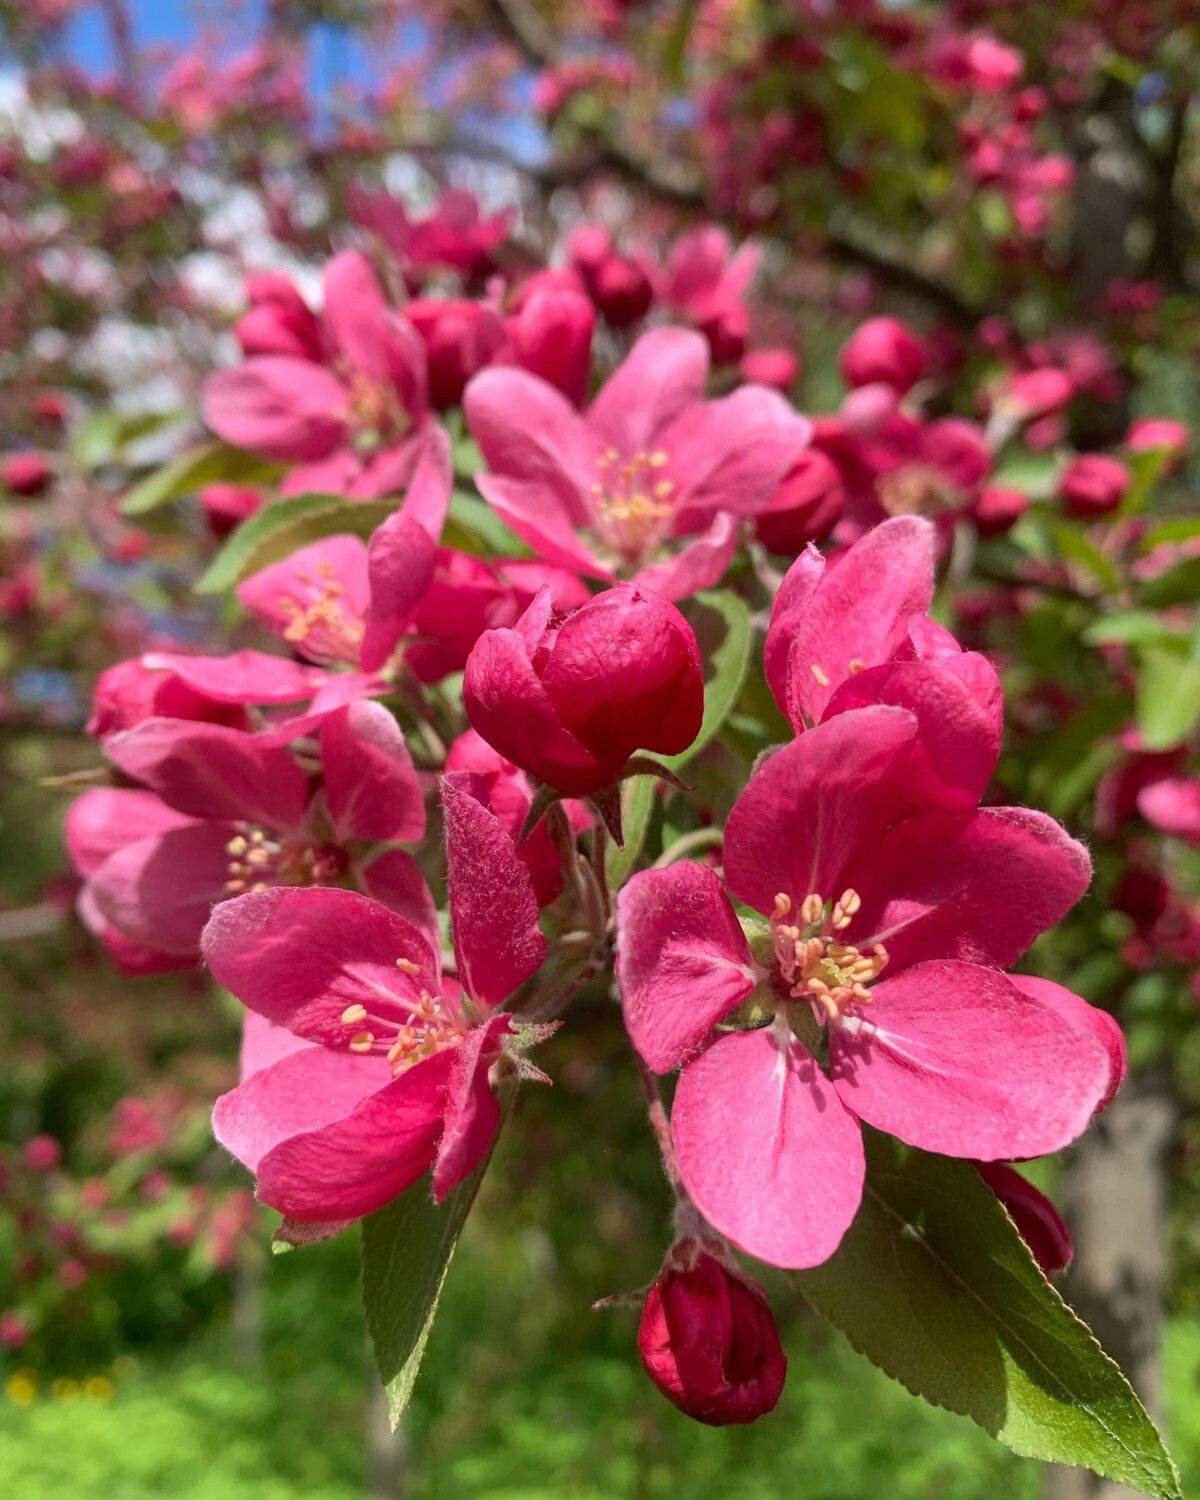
(1093, 484)
(226, 812)
(707, 1338)
(1173, 807)
(352, 416)
(927, 1038)
(706, 284)
(853, 633)
(572, 702)
(649, 465)
(550, 335)
(398, 1080)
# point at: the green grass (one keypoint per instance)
(524, 1397)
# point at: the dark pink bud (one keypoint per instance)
(72, 1274)
(460, 337)
(228, 505)
(1037, 393)
(552, 337)
(27, 474)
(14, 1332)
(777, 368)
(805, 508)
(589, 247)
(621, 288)
(883, 349)
(50, 407)
(1093, 485)
(42, 1154)
(708, 1340)
(1158, 435)
(998, 508)
(1038, 1222)
(571, 703)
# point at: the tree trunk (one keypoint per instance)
(387, 1451)
(1114, 1197)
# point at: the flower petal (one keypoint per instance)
(788, 609)
(493, 909)
(209, 771)
(330, 576)
(960, 716)
(242, 676)
(400, 567)
(472, 1109)
(529, 431)
(1089, 1019)
(808, 808)
(662, 376)
(699, 565)
(732, 454)
(159, 891)
(952, 1057)
(977, 886)
(766, 1149)
(683, 962)
(105, 819)
(371, 785)
(536, 515)
(860, 612)
(287, 409)
(301, 956)
(395, 878)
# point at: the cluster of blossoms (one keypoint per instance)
(414, 712)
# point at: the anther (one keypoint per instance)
(811, 909)
(406, 966)
(353, 1014)
(820, 676)
(362, 1041)
(855, 665)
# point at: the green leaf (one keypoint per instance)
(722, 625)
(200, 466)
(1077, 548)
(1168, 694)
(1177, 585)
(637, 803)
(675, 46)
(1147, 469)
(283, 527)
(406, 1252)
(473, 526)
(934, 1285)
(1178, 529)
(1133, 627)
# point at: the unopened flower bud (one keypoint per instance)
(883, 349)
(708, 1340)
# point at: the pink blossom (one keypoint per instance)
(706, 283)
(805, 507)
(353, 419)
(131, 691)
(397, 1077)
(884, 350)
(550, 335)
(455, 235)
(649, 464)
(460, 337)
(1173, 807)
(623, 287)
(944, 1052)
(26, 474)
(777, 368)
(1093, 484)
(1038, 1222)
(42, 1153)
(226, 812)
(571, 702)
(998, 508)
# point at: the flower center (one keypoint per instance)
(373, 411)
(915, 490)
(405, 1030)
(257, 859)
(326, 628)
(633, 497)
(815, 964)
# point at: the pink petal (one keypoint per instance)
(371, 786)
(242, 676)
(951, 1057)
(788, 609)
(808, 808)
(302, 956)
(400, 565)
(105, 819)
(662, 376)
(428, 498)
(302, 1090)
(159, 891)
(472, 1110)
(542, 522)
(683, 962)
(287, 409)
(960, 716)
(264, 1044)
(860, 611)
(766, 1149)
(493, 909)
(1173, 806)
(395, 878)
(369, 336)
(699, 565)
(209, 771)
(976, 886)
(1085, 1018)
(528, 431)
(330, 575)
(734, 453)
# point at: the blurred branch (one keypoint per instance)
(1166, 259)
(31, 921)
